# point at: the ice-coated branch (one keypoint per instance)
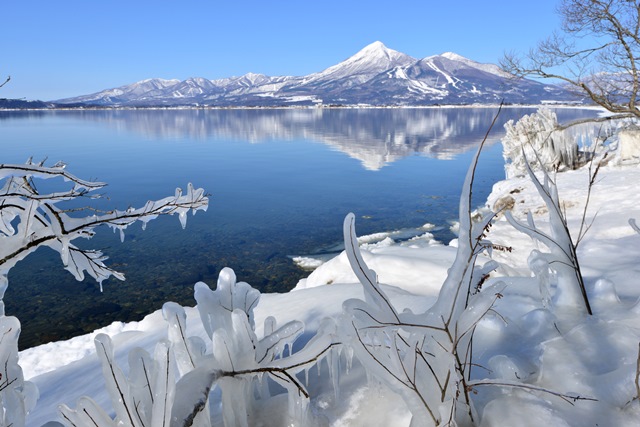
(240, 364)
(143, 399)
(540, 137)
(286, 369)
(30, 219)
(563, 257)
(426, 357)
(367, 277)
(569, 398)
(30, 170)
(17, 397)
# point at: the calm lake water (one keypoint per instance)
(281, 182)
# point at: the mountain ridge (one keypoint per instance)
(375, 75)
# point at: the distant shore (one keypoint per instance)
(53, 107)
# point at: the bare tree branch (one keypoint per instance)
(605, 70)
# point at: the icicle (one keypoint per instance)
(4, 283)
(183, 219)
(298, 407)
(333, 363)
(269, 325)
(349, 358)
(64, 251)
(263, 389)
(121, 229)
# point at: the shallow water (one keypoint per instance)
(281, 181)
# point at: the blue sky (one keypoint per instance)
(56, 49)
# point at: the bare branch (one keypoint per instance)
(606, 70)
(512, 384)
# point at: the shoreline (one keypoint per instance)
(307, 107)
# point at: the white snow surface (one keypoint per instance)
(591, 356)
(489, 68)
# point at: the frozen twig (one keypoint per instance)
(529, 387)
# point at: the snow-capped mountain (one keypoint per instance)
(360, 68)
(376, 75)
(145, 89)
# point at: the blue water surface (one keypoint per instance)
(281, 182)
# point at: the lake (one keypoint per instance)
(281, 182)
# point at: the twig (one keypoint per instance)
(501, 383)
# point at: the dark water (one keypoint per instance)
(281, 182)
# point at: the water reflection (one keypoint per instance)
(375, 137)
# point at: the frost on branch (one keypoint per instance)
(142, 399)
(30, 219)
(17, 397)
(238, 362)
(562, 258)
(425, 357)
(241, 363)
(538, 136)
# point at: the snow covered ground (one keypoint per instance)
(520, 340)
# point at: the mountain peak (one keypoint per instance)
(489, 68)
(369, 61)
(377, 45)
(455, 57)
(376, 51)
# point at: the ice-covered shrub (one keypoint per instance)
(426, 357)
(562, 258)
(242, 364)
(238, 362)
(29, 220)
(142, 399)
(17, 397)
(536, 139)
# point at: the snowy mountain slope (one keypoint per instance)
(141, 89)
(376, 75)
(356, 70)
(192, 88)
(489, 68)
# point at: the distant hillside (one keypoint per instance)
(21, 104)
(376, 75)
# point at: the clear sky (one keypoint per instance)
(63, 48)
